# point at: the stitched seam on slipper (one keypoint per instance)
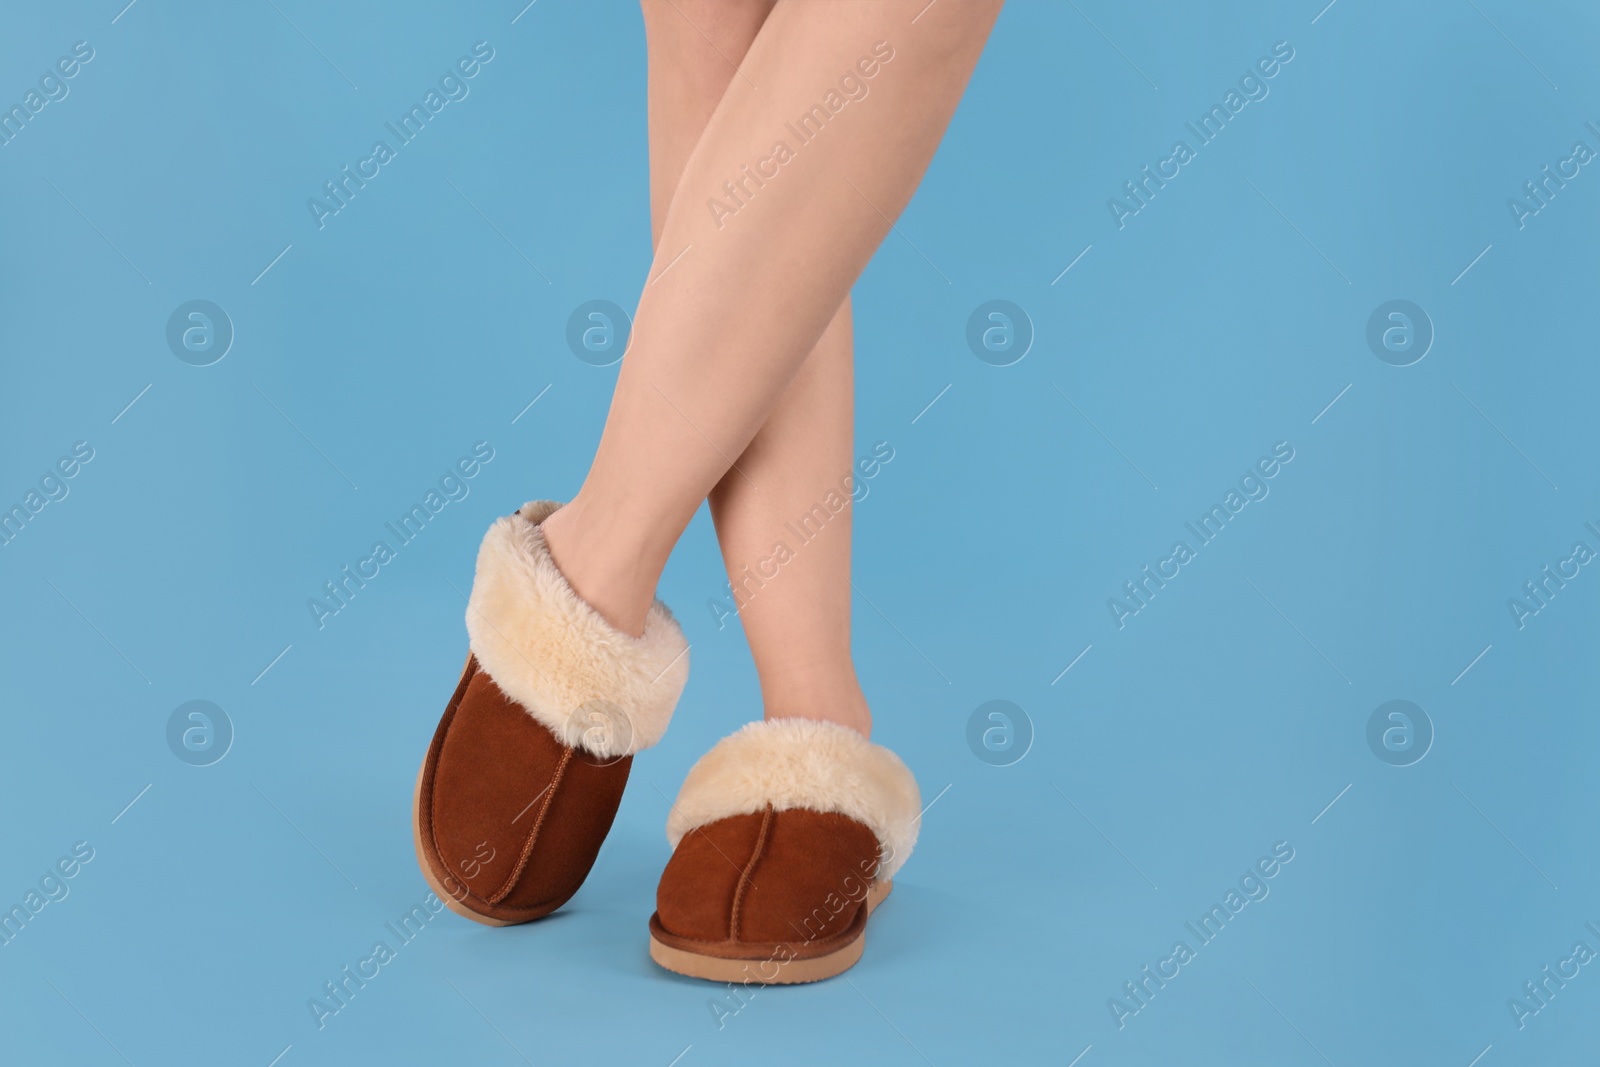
(533, 833)
(433, 793)
(744, 875)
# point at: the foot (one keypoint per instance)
(786, 835)
(529, 761)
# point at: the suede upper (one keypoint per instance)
(508, 819)
(741, 886)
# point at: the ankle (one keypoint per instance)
(617, 580)
(838, 699)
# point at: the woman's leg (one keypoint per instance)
(794, 595)
(837, 108)
(795, 613)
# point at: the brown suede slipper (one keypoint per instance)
(529, 762)
(786, 835)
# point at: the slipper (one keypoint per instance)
(528, 764)
(786, 836)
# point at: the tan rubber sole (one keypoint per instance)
(789, 972)
(427, 871)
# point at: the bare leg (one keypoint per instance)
(734, 305)
(794, 595)
(798, 620)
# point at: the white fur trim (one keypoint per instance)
(594, 686)
(804, 763)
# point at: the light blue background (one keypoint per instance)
(1223, 718)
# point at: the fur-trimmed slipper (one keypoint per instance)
(528, 764)
(786, 835)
